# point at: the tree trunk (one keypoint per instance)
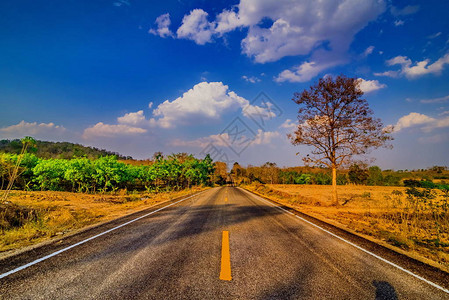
(334, 186)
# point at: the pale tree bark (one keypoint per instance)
(334, 186)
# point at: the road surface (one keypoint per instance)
(222, 244)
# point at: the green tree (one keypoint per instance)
(357, 174)
(375, 176)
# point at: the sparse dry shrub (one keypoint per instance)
(13, 216)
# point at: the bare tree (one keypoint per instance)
(26, 142)
(337, 122)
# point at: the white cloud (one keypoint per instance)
(289, 124)
(34, 129)
(206, 100)
(265, 137)
(322, 30)
(416, 119)
(398, 23)
(150, 105)
(251, 79)
(440, 123)
(436, 100)
(368, 86)
(303, 72)
(135, 118)
(163, 26)
(392, 74)
(408, 10)
(228, 20)
(106, 130)
(300, 26)
(196, 27)
(413, 70)
(368, 51)
(413, 119)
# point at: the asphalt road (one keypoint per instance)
(176, 253)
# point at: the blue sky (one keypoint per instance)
(138, 77)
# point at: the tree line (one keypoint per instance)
(65, 150)
(82, 174)
(270, 173)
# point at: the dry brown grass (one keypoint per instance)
(419, 227)
(32, 217)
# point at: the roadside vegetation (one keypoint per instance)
(47, 197)
(357, 173)
(104, 174)
(412, 219)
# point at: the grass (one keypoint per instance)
(415, 221)
(32, 217)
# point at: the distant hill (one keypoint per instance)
(59, 150)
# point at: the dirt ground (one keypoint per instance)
(28, 218)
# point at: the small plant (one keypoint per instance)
(366, 195)
(26, 142)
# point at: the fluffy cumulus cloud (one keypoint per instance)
(413, 119)
(163, 26)
(133, 118)
(427, 123)
(265, 137)
(206, 100)
(288, 124)
(322, 29)
(413, 70)
(196, 27)
(34, 129)
(368, 86)
(298, 27)
(107, 130)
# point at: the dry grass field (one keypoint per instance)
(416, 221)
(32, 217)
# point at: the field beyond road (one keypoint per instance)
(32, 217)
(412, 221)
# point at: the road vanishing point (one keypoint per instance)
(223, 243)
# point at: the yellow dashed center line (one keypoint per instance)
(225, 273)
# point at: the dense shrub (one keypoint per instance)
(106, 173)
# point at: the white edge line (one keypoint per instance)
(89, 239)
(356, 246)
